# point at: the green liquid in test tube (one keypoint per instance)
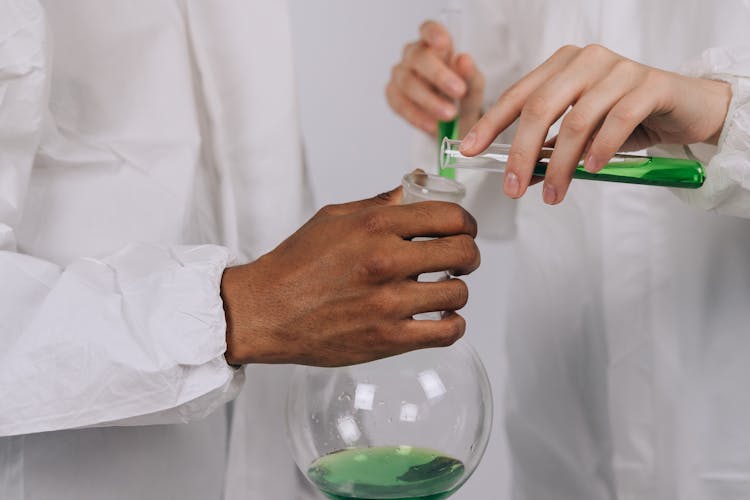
(447, 130)
(451, 18)
(627, 168)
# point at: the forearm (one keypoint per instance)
(139, 333)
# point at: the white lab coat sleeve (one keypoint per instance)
(727, 187)
(488, 38)
(136, 335)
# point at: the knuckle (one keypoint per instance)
(605, 145)
(432, 73)
(400, 76)
(624, 115)
(409, 84)
(397, 77)
(408, 54)
(385, 197)
(456, 219)
(389, 95)
(625, 67)
(459, 294)
(595, 51)
(518, 154)
(567, 49)
(406, 51)
(536, 108)
(472, 226)
(328, 211)
(374, 222)
(413, 53)
(394, 72)
(381, 333)
(454, 331)
(467, 249)
(656, 79)
(441, 74)
(576, 122)
(511, 96)
(385, 305)
(377, 266)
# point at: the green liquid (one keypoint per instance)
(450, 130)
(387, 472)
(654, 171)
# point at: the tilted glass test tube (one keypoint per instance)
(627, 168)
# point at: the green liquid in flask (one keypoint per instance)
(447, 129)
(387, 472)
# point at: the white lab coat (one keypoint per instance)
(144, 145)
(628, 336)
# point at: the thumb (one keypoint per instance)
(392, 197)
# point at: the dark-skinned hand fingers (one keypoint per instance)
(457, 254)
(392, 197)
(420, 334)
(418, 297)
(427, 219)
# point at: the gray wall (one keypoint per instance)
(344, 52)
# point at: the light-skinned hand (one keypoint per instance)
(616, 104)
(428, 81)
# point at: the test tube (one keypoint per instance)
(451, 17)
(623, 167)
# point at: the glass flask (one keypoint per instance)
(410, 427)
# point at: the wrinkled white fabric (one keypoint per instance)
(727, 189)
(627, 335)
(143, 146)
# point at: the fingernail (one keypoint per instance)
(455, 85)
(448, 112)
(592, 165)
(468, 141)
(511, 185)
(549, 194)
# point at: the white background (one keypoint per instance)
(357, 148)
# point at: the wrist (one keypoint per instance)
(230, 292)
(721, 93)
(239, 293)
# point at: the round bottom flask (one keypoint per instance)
(410, 427)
